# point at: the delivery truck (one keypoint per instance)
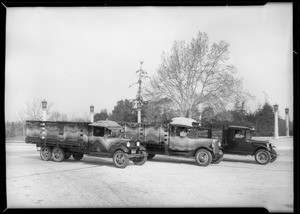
(180, 137)
(61, 140)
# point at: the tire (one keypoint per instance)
(58, 154)
(274, 156)
(68, 155)
(150, 156)
(77, 156)
(120, 159)
(203, 157)
(46, 153)
(262, 157)
(217, 161)
(140, 161)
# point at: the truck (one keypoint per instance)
(60, 140)
(237, 140)
(180, 137)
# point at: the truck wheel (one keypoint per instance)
(45, 153)
(120, 159)
(203, 157)
(58, 154)
(68, 155)
(217, 161)
(273, 156)
(140, 161)
(262, 157)
(77, 156)
(150, 156)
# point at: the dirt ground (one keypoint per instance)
(162, 182)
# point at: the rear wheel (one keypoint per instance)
(150, 156)
(68, 155)
(45, 153)
(262, 157)
(77, 156)
(203, 157)
(58, 154)
(120, 159)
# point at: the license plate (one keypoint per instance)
(133, 151)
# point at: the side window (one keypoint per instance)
(99, 131)
(239, 133)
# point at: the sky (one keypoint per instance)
(81, 56)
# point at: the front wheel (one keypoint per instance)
(262, 157)
(203, 157)
(120, 159)
(45, 153)
(58, 154)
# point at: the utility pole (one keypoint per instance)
(141, 74)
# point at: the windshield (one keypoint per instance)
(112, 133)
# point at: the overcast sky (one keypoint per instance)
(81, 56)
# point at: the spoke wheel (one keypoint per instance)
(262, 157)
(120, 159)
(203, 157)
(58, 154)
(45, 153)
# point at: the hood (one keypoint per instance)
(260, 142)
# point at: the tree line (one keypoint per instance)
(195, 80)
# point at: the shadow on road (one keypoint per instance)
(225, 159)
(165, 159)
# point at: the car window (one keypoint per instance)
(99, 131)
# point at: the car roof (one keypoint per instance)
(238, 127)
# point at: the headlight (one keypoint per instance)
(128, 144)
(213, 144)
(138, 143)
(219, 143)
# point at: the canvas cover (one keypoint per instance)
(183, 121)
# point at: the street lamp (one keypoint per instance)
(287, 121)
(44, 104)
(91, 109)
(276, 121)
(92, 113)
(44, 107)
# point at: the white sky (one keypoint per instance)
(81, 56)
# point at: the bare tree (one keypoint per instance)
(194, 76)
(33, 110)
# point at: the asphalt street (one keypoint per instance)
(162, 182)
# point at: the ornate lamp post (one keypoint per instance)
(92, 113)
(44, 107)
(287, 121)
(276, 121)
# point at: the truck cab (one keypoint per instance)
(237, 140)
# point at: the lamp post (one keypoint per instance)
(92, 113)
(139, 112)
(44, 108)
(276, 121)
(287, 121)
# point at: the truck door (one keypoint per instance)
(178, 141)
(241, 145)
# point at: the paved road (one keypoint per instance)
(162, 182)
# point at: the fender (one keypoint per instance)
(261, 147)
(120, 147)
(203, 147)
